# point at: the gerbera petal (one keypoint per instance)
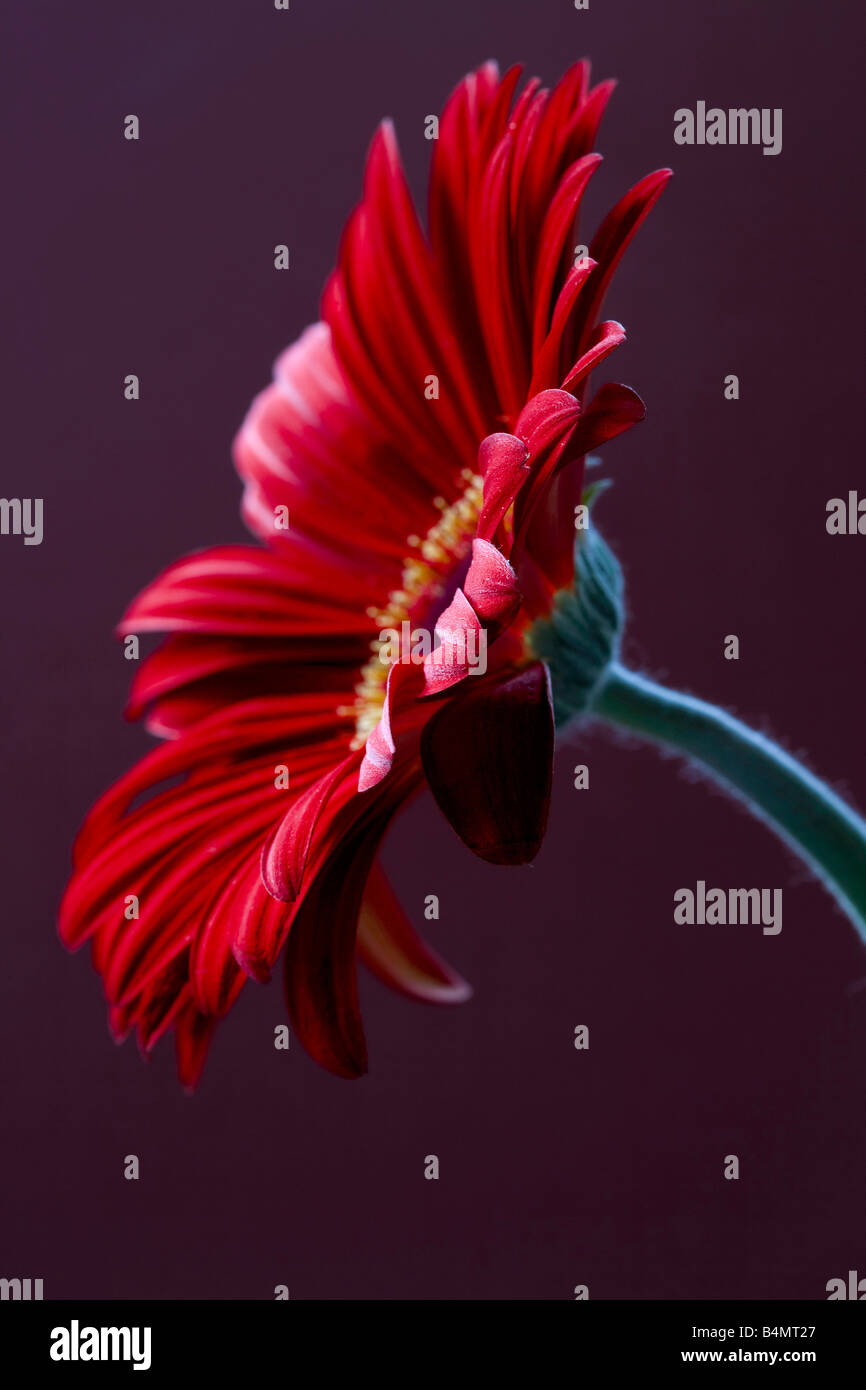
(609, 244)
(557, 232)
(321, 988)
(391, 948)
(215, 976)
(545, 422)
(547, 370)
(502, 461)
(461, 635)
(160, 1003)
(240, 590)
(284, 855)
(491, 588)
(250, 727)
(612, 411)
(191, 677)
(193, 1033)
(606, 337)
(488, 759)
(251, 924)
(320, 977)
(404, 684)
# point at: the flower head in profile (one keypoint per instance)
(414, 468)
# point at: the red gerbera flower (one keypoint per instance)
(425, 442)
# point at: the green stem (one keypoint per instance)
(810, 818)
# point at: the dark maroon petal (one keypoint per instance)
(488, 758)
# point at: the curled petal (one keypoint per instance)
(461, 637)
(606, 337)
(546, 421)
(491, 588)
(612, 411)
(502, 460)
(405, 681)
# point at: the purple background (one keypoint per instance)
(557, 1167)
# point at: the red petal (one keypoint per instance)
(320, 976)
(556, 232)
(546, 420)
(241, 591)
(389, 946)
(502, 461)
(321, 988)
(612, 411)
(606, 337)
(194, 1031)
(284, 855)
(546, 371)
(253, 925)
(611, 240)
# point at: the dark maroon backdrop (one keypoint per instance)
(557, 1167)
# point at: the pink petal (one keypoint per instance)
(491, 588)
(460, 634)
(405, 682)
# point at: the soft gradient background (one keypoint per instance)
(557, 1167)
